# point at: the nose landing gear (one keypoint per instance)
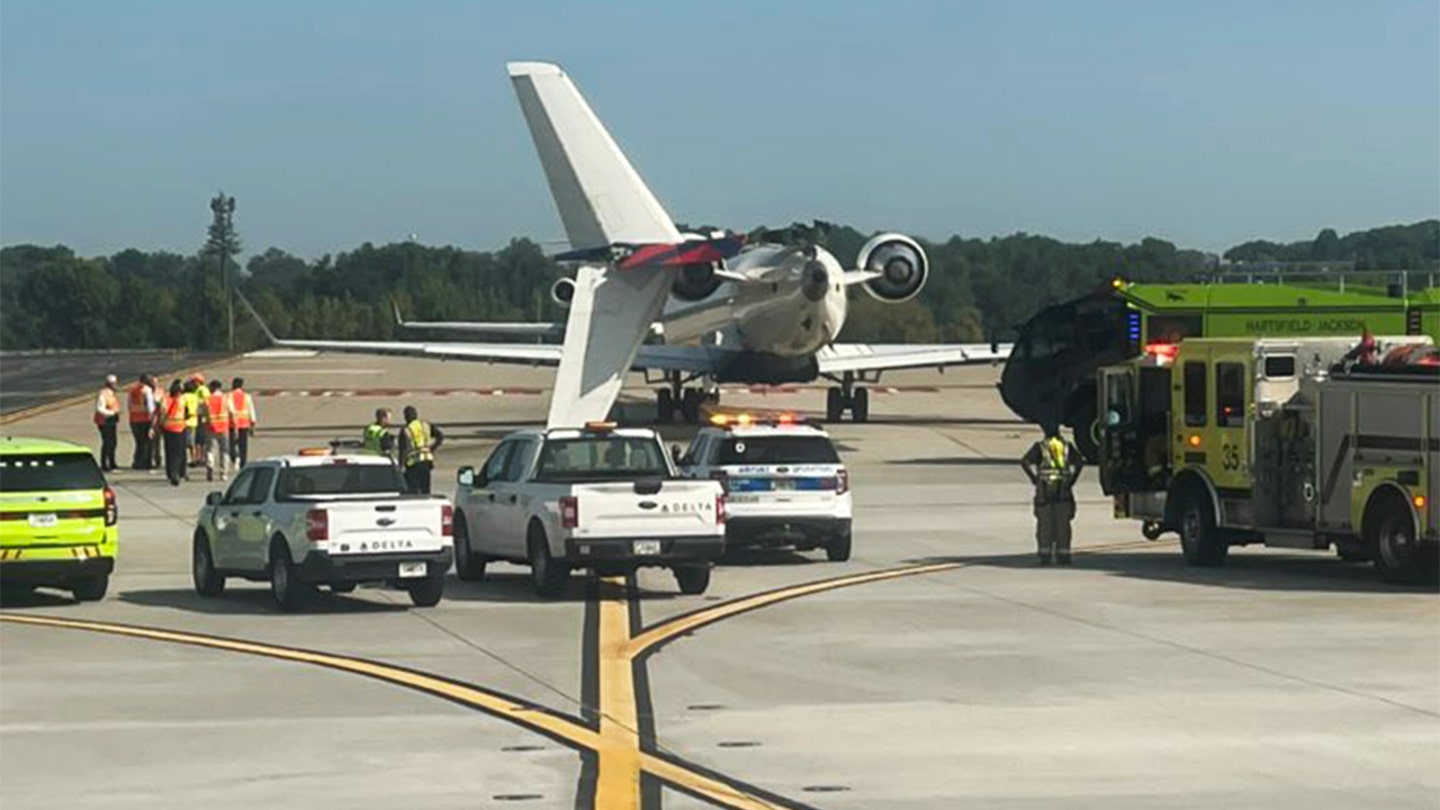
(680, 399)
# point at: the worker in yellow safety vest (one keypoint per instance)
(190, 395)
(1053, 465)
(418, 442)
(377, 438)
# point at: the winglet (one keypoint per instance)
(395, 306)
(256, 315)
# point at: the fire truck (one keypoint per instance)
(1050, 373)
(1303, 443)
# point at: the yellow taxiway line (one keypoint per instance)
(622, 759)
(531, 716)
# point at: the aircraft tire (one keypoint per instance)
(860, 405)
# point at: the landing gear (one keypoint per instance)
(847, 396)
(678, 398)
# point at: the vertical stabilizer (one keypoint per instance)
(601, 198)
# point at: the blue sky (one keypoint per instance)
(337, 123)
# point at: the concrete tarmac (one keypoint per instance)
(938, 668)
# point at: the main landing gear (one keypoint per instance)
(847, 396)
(678, 398)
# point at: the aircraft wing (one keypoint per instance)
(839, 358)
(688, 359)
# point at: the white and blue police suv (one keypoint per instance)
(785, 484)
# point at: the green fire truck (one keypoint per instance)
(1050, 374)
(1291, 442)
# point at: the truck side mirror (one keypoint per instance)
(214, 498)
(465, 476)
(676, 453)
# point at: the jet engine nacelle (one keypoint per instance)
(696, 282)
(901, 263)
(563, 291)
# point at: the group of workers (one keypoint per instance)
(191, 424)
(199, 424)
(413, 446)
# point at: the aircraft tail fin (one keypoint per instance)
(600, 196)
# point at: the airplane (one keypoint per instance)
(726, 310)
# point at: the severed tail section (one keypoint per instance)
(609, 316)
(600, 196)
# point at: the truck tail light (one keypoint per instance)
(317, 525)
(447, 521)
(723, 477)
(569, 512)
(719, 510)
(112, 512)
(842, 482)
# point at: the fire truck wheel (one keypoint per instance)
(1200, 540)
(1397, 555)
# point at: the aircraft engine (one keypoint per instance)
(562, 291)
(695, 282)
(901, 263)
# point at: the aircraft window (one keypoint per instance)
(1279, 366)
(1229, 394)
(1195, 394)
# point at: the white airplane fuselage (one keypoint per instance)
(789, 304)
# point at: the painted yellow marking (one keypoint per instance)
(528, 716)
(618, 782)
(667, 630)
(617, 743)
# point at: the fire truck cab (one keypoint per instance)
(1296, 443)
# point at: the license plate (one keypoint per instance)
(43, 521)
(647, 547)
(412, 569)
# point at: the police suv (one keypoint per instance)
(785, 485)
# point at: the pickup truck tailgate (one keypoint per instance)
(382, 526)
(678, 509)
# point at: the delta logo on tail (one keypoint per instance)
(628, 256)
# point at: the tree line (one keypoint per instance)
(979, 289)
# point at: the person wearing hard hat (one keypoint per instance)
(107, 419)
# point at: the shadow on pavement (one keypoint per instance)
(1318, 572)
(515, 588)
(26, 598)
(256, 601)
(754, 557)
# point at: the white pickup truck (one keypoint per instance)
(311, 519)
(603, 498)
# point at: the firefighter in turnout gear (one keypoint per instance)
(418, 442)
(1053, 465)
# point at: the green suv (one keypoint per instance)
(57, 518)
